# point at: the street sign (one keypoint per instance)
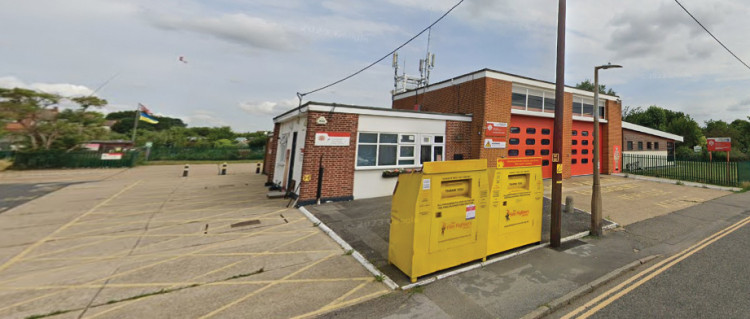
(719, 144)
(697, 149)
(149, 144)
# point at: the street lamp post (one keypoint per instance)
(596, 193)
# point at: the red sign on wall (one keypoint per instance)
(496, 129)
(719, 144)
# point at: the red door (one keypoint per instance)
(582, 148)
(531, 136)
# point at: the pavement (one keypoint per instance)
(544, 280)
(147, 243)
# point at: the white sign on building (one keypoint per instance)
(332, 138)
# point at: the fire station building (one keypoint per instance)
(485, 114)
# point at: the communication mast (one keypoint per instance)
(404, 82)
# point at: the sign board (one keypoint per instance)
(111, 156)
(496, 129)
(697, 149)
(149, 144)
(332, 138)
(91, 146)
(719, 144)
(616, 156)
(494, 142)
(519, 162)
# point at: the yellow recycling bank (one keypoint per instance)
(455, 212)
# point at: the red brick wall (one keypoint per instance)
(338, 161)
(269, 162)
(611, 136)
(567, 134)
(628, 135)
(497, 102)
(457, 139)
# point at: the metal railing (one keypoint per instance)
(196, 154)
(700, 171)
(78, 159)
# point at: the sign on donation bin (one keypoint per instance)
(439, 217)
(516, 201)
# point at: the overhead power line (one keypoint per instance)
(712, 35)
(300, 95)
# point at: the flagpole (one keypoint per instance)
(135, 125)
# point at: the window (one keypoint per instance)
(584, 133)
(584, 152)
(545, 131)
(529, 153)
(512, 152)
(574, 161)
(545, 141)
(515, 130)
(656, 145)
(391, 149)
(518, 99)
(545, 162)
(630, 145)
(574, 152)
(640, 146)
(530, 141)
(514, 141)
(584, 106)
(585, 161)
(536, 101)
(574, 133)
(574, 142)
(545, 152)
(585, 142)
(530, 130)
(648, 145)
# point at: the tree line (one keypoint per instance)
(33, 120)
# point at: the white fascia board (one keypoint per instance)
(552, 115)
(389, 113)
(650, 131)
(504, 77)
(290, 115)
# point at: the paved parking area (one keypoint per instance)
(146, 243)
(627, 200)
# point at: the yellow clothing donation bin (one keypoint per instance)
(439, 217)
(516, 202)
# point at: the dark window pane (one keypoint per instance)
(530, 130)
(588, 110)
(640, 146)
(546, 131)
(574, 133)
(406, 162)
(535, 102)
(519, 99)
(515, 130)
(529, 152)
(512, 152)
(585, 161)
(584, 152)
(407, 138)
(574, 142)
(545, 152)
(574, 152)
(545, 141)
(514, 141)
(585, 142)
(425, 153)
(577, 108)
(438, 139)
(407, 151)
(545, 163)
(601, 112)
(549, 104)
(630, 145)
(368, 138)
(584, 133)
(438, 153)
(366, 155)
(648, 145)
(656, 145)
(574, 161)
(530, 141)
(388, 138)
(387, 155)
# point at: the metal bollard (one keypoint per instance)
(569, 204)
(223, 169)
(186, 170)
(257, 168)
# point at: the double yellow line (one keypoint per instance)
(627, 286)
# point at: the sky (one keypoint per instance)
(247, 59)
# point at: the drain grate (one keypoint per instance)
(245, 223)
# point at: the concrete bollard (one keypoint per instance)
(257, 168)
(186, 170)
(569, 204)
(223, 169)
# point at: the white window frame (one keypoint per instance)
(525, 91)
(416, 144)
(590, 101)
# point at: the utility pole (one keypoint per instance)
(557, 138)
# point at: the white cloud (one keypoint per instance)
(239, 28)
(62, 89)
(268, 107)
(203, 118)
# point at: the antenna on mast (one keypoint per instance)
(403, 82)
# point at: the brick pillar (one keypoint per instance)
(497, 105)
(611, 136)
(269, 162)
(567, 134)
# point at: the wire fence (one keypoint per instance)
(212, 154)
(79, 159)
(723, 173)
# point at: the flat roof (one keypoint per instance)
(650, 131)
(500, 76)
(368, 110)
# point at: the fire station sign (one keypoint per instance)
(496, 129)
(719, 144)
(332, 138)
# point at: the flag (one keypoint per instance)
(148, 118)
(143, 108)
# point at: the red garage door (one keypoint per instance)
(582, 148)
(531, 136)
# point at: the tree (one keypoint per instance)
(32, 111)
(88, 101)
(125, 121)
(666, 120)
(589, 86)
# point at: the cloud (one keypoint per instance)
(238, 28)
(62, 89)
(203, 118)
(741, 106)
(268, 107)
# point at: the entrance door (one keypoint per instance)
(291, 160)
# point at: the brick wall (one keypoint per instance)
(497, 101)
(269, 162)
(567, 134)
(628, 135)
(338, 161)
(611, 136)
(457, 139)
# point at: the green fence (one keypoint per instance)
(62, 159)
(7, 154)
(208, 154)
(716, 172)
